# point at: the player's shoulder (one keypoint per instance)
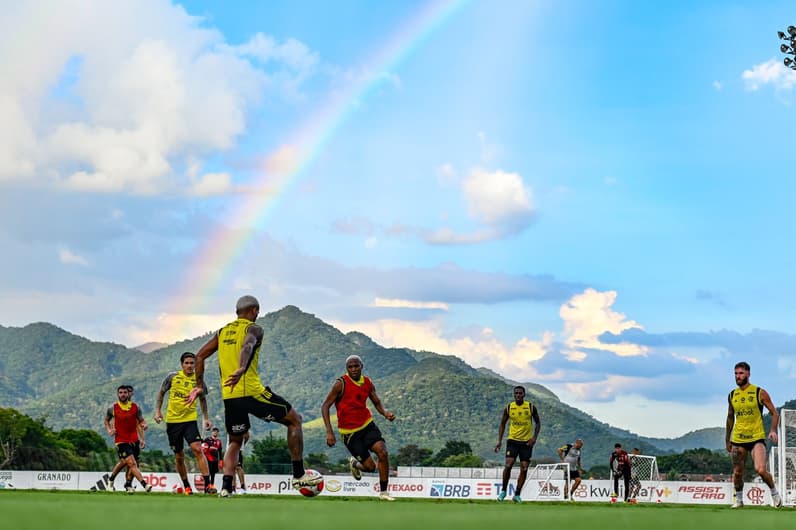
(255, 329)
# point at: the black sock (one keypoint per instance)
(112, 477)
(383, 485)
(207, 480)
(185, 483)
(226, 482)
(298, 468)
(128, 483)
(143, 483)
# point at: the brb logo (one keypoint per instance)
(459, 491)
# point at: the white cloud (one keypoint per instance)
(588, 315)
(212, 184)
(495, 197)
(499, 201)
(717, 85)
(70, 258)
(771, 72)
(149, 91)
(482, 349)
(412, 304)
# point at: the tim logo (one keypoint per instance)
(450, 490)
(483, 489)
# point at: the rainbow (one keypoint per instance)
(216, 257)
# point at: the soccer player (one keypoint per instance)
(746, 434)
(620, 465)
(212, 448)
(521, 415)
(349, 394)
(123, 421)
(122, 464)
(570, 453)
(181, 420)
(238, 346)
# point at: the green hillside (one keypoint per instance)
(48, 372)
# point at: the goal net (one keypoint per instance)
(644, 477)
(783, 461)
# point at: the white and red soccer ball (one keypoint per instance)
(312, 491)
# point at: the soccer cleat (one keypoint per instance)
(502, 495)
(148, 488)
(111, 486)
(241, 491)
(188, 490)
(305, 481)
(129, 489)
(516, 499)
(384, 496)
(210, 490)
(355, 471)
(776, 500)
(224, 493)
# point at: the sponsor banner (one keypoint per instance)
(718, 493)
(55, 480)
(15, 479)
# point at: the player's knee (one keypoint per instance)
(760, 469)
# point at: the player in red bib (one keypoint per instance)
(360, 435)
(123, 420)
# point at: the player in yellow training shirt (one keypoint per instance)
(181, 420)
(238, 346)
(521, 415)
(745, 432)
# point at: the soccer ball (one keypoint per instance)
(312, 491)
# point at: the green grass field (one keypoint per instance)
(22, 510)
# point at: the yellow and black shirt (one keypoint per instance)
(178, 385)
(520, 421)
(748, 409)
(230, 341)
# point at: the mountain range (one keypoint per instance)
(48, 372)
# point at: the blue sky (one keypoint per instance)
(591, 196)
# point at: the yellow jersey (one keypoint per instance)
(748, 409)
(520, 421)
(230, 341)
(178, 385)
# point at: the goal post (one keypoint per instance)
(644, 477)
(782, 463)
